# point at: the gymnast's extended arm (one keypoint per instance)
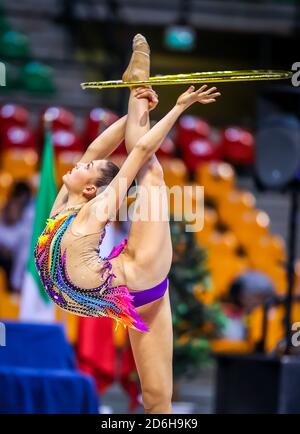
(105, 144)
(106, 204)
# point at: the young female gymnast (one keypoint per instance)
(67, 252)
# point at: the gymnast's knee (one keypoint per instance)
(157, 399)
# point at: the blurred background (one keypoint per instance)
(235, 285)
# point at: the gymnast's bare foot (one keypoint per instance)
(139, 65)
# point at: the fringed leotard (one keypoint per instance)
(56, 244)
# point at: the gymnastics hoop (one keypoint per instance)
(195, 77)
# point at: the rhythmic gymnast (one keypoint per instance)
(130, 285)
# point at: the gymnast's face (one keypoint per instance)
(81, 179)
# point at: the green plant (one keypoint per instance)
(194, 323)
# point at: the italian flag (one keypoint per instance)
(36, 306)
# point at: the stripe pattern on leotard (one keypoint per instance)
(102, 301)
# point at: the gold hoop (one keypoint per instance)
(195, 77)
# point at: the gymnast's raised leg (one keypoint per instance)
(150, 248)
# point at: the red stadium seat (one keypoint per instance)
(96, 122)
(238, 145)
(190, 128)
(12, 115)
(66, 140)
(58, 119)
(18, 137)
(200, 151)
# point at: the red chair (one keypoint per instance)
(96, 122)
(18, 137)
(190, 128)
(58, 119)
(66, 140)
(238, 145)
(13, 115)
(200, 151)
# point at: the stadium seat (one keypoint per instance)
(13, 115)
(218, 179)
(238, 145)
(221, 244)
(224, 270)
(190, 128)
(66, 140)
(9, 303)
(58, 118)
(14, 45)
(251, 226)
(175, 172)
(96, 122)
(233, 204)
(18, 137)
(20, 163)
(200, 151)
(210, 220)
(4, 24)
(265, 250)
(6, 181)
(37, 77)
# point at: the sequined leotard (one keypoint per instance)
(51, 253)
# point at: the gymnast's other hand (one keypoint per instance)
(149, 93)
(201, 95)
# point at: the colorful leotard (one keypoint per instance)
(102, 300)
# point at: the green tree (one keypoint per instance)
(194, 323)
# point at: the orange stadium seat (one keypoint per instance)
(175, 176)
(221, 244)
(251, 226)
(9, 303)
(233, 204)
(210, 220)
(188, 201)
(20, 163)
(218, 178)
(267, 249)
(224, 270)
(175, 171)
(297, 277)
(224, 345)
(6, 181)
